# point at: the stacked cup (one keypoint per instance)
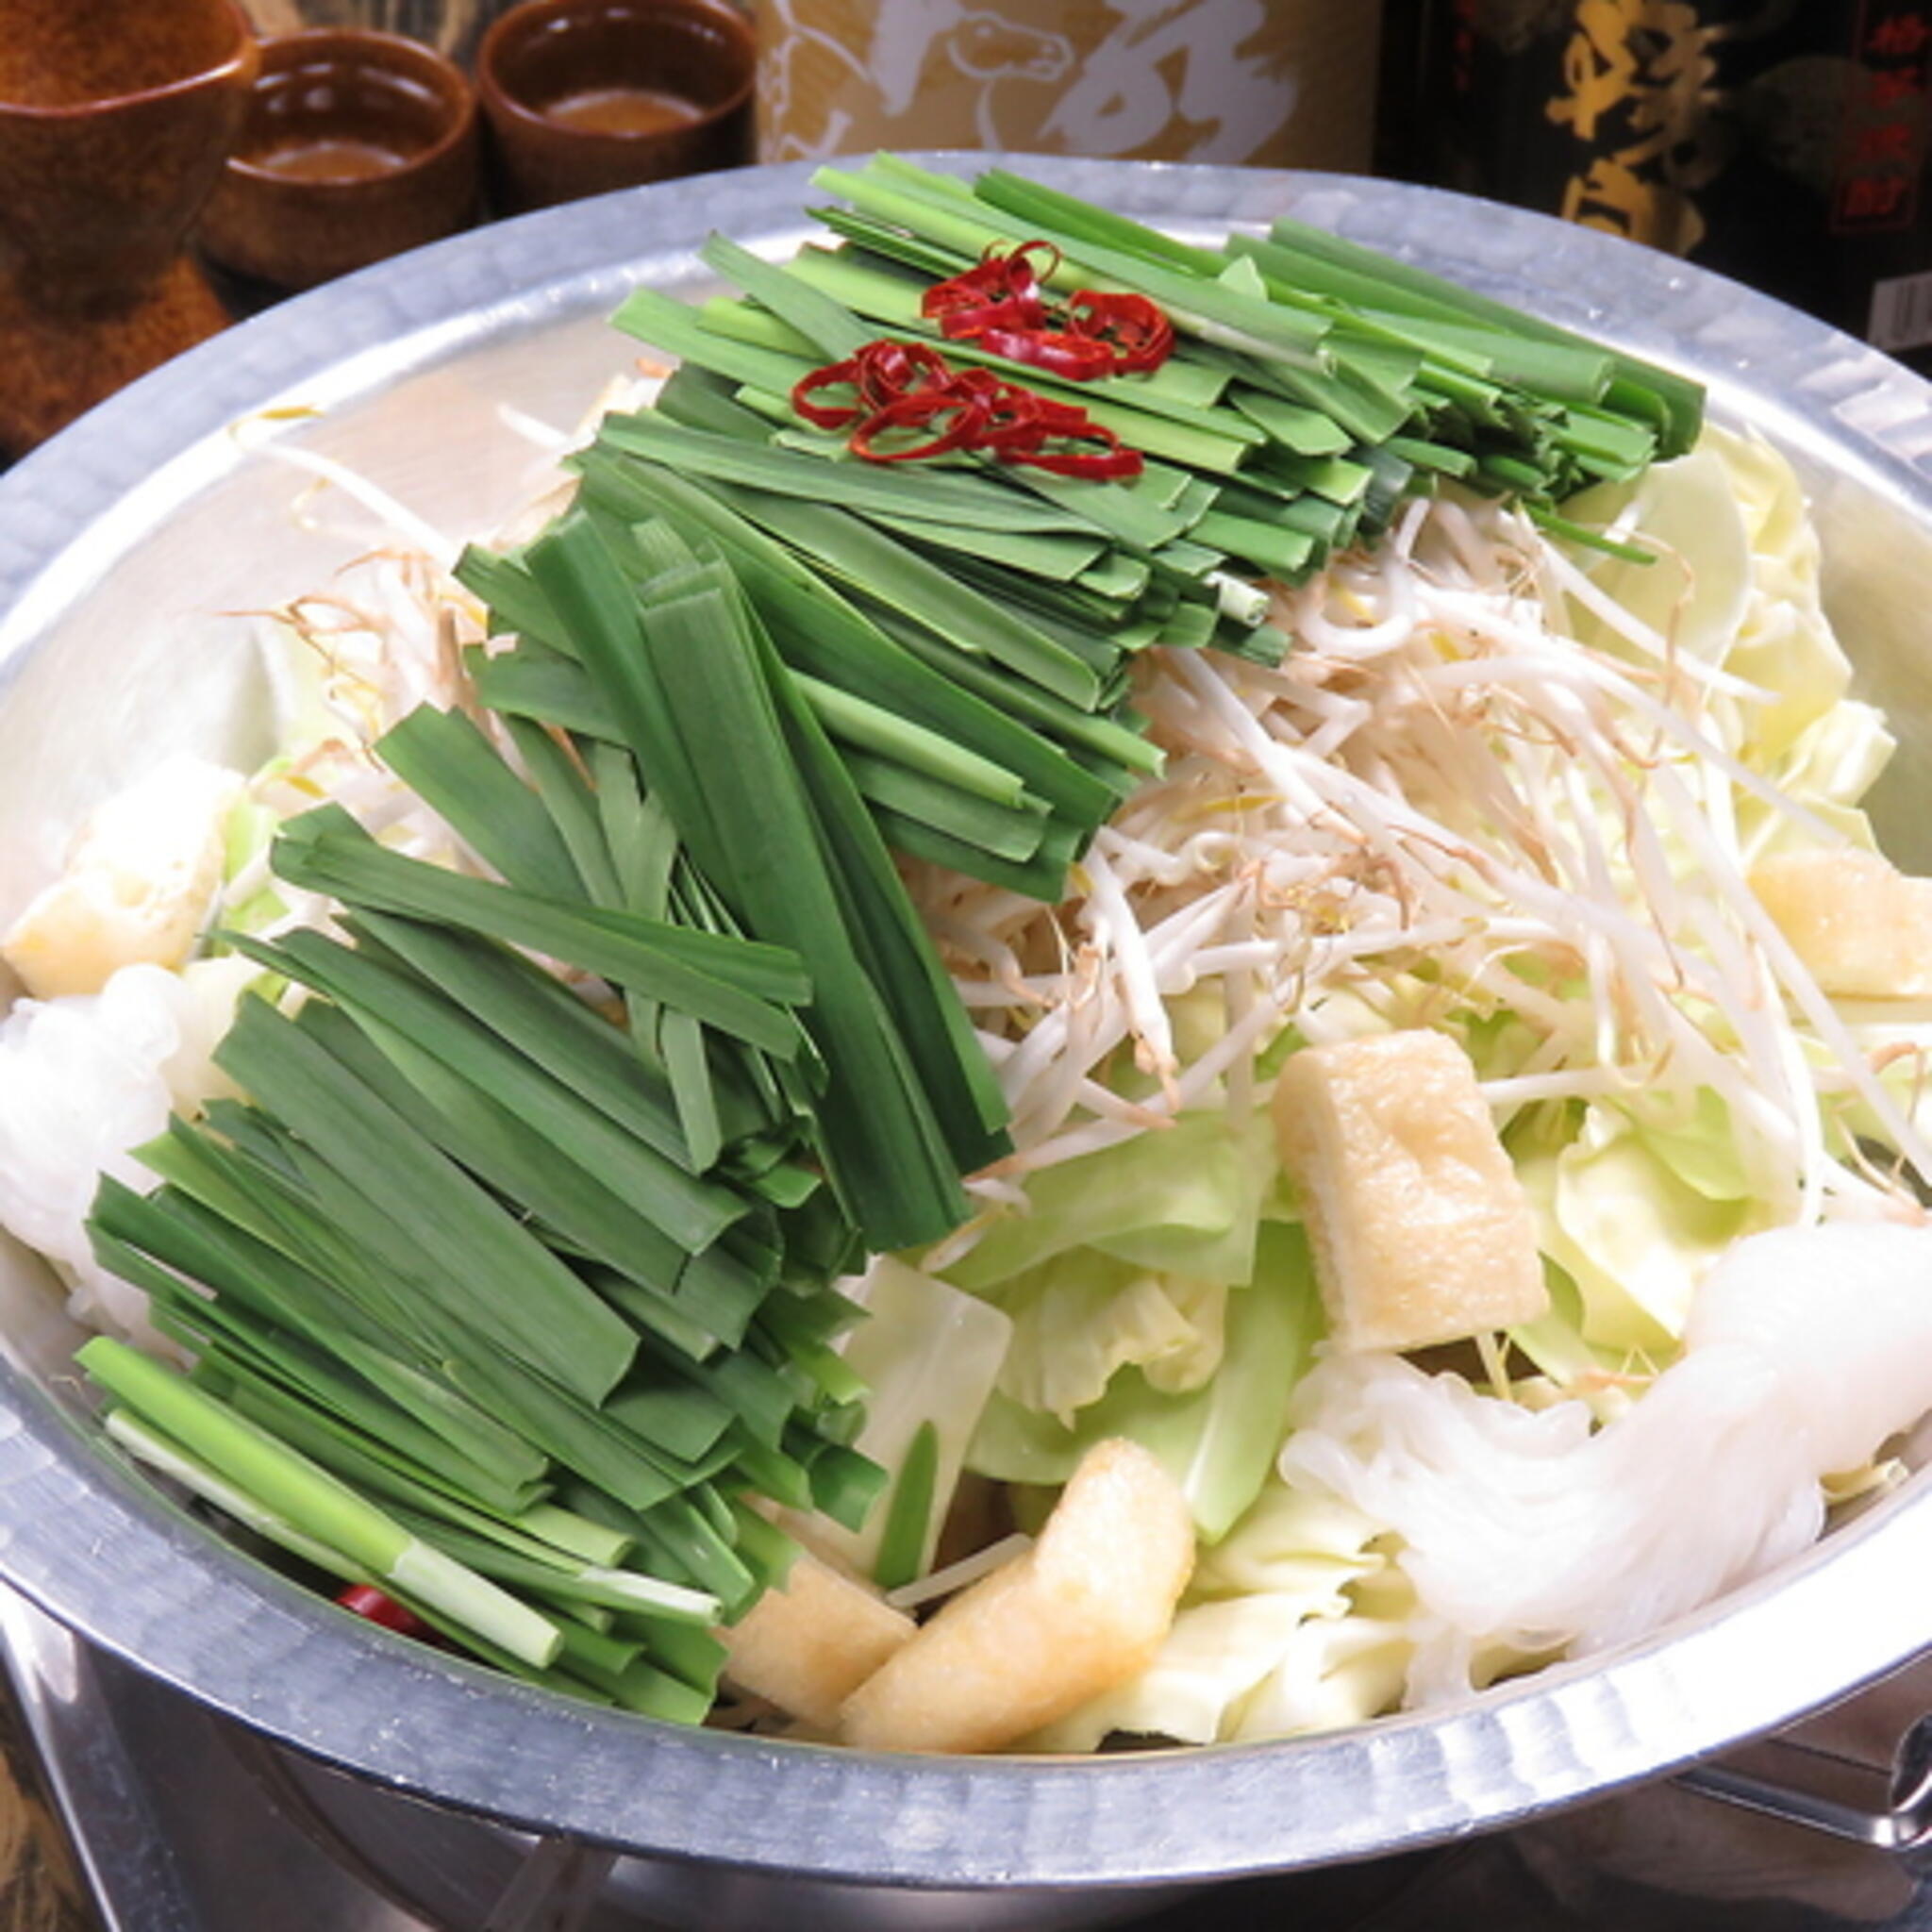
(360, 142)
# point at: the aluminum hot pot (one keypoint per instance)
(131, 548)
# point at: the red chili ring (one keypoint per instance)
(364, 1599)
(1002, 277)
(827, 415)
(1019, 268)
(970, 320)
(1112, 462)
(978, 288)
(1078, 359)
(910, 386)
(1018, 418)
(916, 410)
(1135, 331)
(887, 369)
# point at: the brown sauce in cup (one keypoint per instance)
(620, 110)
(329, 158)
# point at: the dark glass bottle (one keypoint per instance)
(1783, 143)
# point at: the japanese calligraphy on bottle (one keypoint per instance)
(1637, 79)
(1883, 151)
(1781, 141)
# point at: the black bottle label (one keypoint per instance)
(1780, 142)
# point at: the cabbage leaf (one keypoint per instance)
(1268, 1640)
(928, 1355)
(1082, 1316)
(1184, 1199)
(1635, 1213)
(1219, 1441)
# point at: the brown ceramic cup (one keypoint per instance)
(357, 145)
(583, 96)
(115, 118)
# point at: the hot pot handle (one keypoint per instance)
(1821, 1776)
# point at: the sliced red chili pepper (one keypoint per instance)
(1004, 283)
(1017, 417)
(827, 415)
(963, 323)
(1063, 419)
(1000, 303)
(920, 409)
(885, 370)
(977, 380)
(1112, 462)
(1021, 419)
(365, 1600)
(1018, 262)
(906, 388)
(1135, 330)
(976, 289)
(1075, 358)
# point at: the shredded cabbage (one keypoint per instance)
(930, 1355)
(1259, 1645)
(1216, 1440)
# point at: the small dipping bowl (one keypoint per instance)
(583, 96)
(357, 145)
